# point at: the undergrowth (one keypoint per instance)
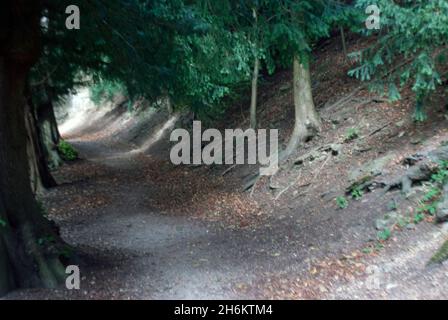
(105, 91)
(67, 151)
(427, 206)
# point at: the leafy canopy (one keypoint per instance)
(411, 49)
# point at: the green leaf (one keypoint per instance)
(342, 202)
(384, 234)
(67, 151)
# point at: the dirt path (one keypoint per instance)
(129, 250)
(145, 254)
(144, 230)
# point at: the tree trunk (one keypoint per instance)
(40, 175)
(6, 279)
(253, 100)
(256, 71)
(306, 121)
(30, 246)
(47, 128)
(341, 30)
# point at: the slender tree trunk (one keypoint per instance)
(306, 121)
(30, 245)
(253, 100)
(341, 29)
(255, 73)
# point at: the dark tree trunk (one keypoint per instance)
(30, 246)
(48, 129)
(255, 74)
(40, 175)
(6, 279)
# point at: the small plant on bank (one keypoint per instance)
(376, 247)
(342, 202)
(351, 134)
(384, 235)
(430, 201)
(2, 223)
(429, 205)
(430, 208)
(403, 222)
(419, 217)
(68, 153)
(441, 255)
(356, 193)
(441, 176)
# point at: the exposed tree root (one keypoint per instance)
(32, 255)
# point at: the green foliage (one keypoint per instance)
(441, 176)
(419, 217)
(352, 134)
(403, 221)
(105, 91)
(200, 53)
(367, 250)
(378, 246)
(429, 208)
(441, 255)
(430, 200)
(342, 202)
(432, 194)
(356, 193)
(3, 223)
(410, 50)
(212, 68)
(214, 65)
(295, 26)
(419, 113)
(67, 151)
(384, 235)
(133, 43)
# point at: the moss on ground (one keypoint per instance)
(441, 255)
